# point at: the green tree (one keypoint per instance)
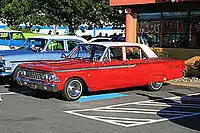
(106, 15)
(16, 12)
(71, 13)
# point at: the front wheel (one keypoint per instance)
(73, 89)
(155, 86)
(12, 81)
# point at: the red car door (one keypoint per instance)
(138, 73)
(107, 75)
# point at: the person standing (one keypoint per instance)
(50, 32)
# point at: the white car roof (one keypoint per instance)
(60, 37)
(113, 44)
(10, 31)
(99, 38)
(145, 48)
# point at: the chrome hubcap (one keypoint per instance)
(156, 85)
(74, 89)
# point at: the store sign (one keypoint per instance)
(168, 26)
(135, 2)
(163, 1)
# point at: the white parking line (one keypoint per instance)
(8, 93)
(14, 93)
(160, 114)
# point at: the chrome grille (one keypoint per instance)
(34, 75)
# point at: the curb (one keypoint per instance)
(187, 84)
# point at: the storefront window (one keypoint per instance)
(172, 30)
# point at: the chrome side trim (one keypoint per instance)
(97, 68)
(28, 61)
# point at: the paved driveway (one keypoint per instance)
(174, 109)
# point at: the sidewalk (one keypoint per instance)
(189, 82)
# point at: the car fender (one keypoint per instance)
(159, 77)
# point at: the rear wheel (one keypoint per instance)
(73, 89)
(155, 86)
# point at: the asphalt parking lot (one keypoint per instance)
(174, 109)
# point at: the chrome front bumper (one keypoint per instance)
(37, 85)
(3, 74)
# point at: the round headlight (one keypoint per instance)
(53, 78)
(44, 77)
(21, 73)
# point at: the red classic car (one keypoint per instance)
(100, 66)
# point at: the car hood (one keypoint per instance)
(51, 66)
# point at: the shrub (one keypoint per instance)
(192, 67)
(161, 53)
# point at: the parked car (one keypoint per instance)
(35, 49)
(100, 66)
(11, 39)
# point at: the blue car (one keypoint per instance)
(11, 38)
(36, 49)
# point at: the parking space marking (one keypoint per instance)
(161, 114)
(8, 93)
(101, 97)
(14, 93)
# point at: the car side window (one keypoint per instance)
(134, 53)
(72, 44)
(4, 35)
(55, 45)
(17, 36)
(115, 53)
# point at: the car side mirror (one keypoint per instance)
(63, 55)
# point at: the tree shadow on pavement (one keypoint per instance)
(33, 93)
(49, 95)
(184, 111)
(2, 81)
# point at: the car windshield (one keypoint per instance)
(87, 52)
(34, 44)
